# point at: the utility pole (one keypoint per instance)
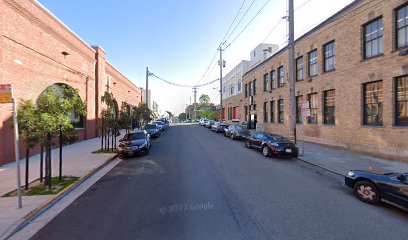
(195, 102)
(222, 64)
(147, 87)
(292, 102)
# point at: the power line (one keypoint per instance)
(273, 29)
(233, 21)
(206, 73)
(303, 4)
(239, 22)
(181, 85)
(248, 24)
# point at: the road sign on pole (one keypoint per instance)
(6, 96)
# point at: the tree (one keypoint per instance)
(125, 118)
(209, 114)
(143, 114)
(204, 100)
(52, 116)
(182, 116)
(170, 114)
(109, 124)
(26, 117)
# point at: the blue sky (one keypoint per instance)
(177, 39)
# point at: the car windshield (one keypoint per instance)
(159, 123)
(150, 126)
(135, 136)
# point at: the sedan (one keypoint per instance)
(153, 129)
(209, 123)
(219, 127)
(161, 124)
(134, 143)
(272, 145)
(373, 187)
(236, 132)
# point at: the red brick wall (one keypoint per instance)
(31, 43)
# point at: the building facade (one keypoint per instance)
(37, 51)
(353, 71)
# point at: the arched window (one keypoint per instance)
(76, 119)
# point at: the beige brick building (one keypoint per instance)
(353, 70)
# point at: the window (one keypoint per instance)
(246, 90)
(329, 56)
(272, 111)
(273, 79)
(281, 77)
(265, 112)
(401, 103)
(312, 98)
(402, 27)
(231, 89)
(373, 103)
(239, 86)
(250, 89)
(254, 87)
(373, 34)
(329, 103)
(313, 65)
(299, 69)
(280, 111)
(299, 102)
(266, 82)
(246, 112)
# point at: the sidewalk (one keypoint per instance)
(78, 160)
(342, 161)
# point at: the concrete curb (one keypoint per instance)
(318, 166)
(30, 217)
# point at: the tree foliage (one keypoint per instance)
(204, 100)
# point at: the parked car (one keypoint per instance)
(203, 122)
(236, 132)
(373, 187)
(219, 127)
(153, 129)
(209, 123)
(272, 145)
(214, 126)
(161, 124)
(134, 143)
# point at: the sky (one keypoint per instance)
(178, 39)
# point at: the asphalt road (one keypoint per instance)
(196, 184)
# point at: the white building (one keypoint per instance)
(232, 81)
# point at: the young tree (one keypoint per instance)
(109, 119)
(204, 100)
(27, 124)
(53, 109)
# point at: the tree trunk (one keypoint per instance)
(46, 167)
(41, 162)
(115, 138)
(60, 154)
(27, 169)
(49, 162)
(113, 132)
(108, 133)
(102, 136)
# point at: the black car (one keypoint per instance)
(134, 143)
(152, 129)
(373, 187)
(272, 145)
(236, 132)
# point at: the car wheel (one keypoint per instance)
(232, 136)
(265, 151)
(367, 192)
(247, 144)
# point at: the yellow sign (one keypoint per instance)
(5, 93)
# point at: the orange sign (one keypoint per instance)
(5, 93)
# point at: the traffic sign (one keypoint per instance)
(306, 112)
(305, 105)
(5, 93)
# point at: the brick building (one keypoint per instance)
(37, 51)
(353, 70)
